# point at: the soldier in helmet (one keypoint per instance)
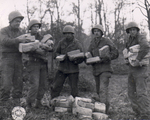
(37, 66)
(137, 78)
(66, 67)
(11, 62)
(102, 70)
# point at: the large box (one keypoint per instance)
(93, 60)
(27, 36)
(27, 47)
(104, 51)
(75, 54)
(46, 37)
(60, 57)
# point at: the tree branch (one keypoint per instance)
(140, 10)
(141, 6)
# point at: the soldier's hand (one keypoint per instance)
(24, 40)
(44, 46)
(136, 62)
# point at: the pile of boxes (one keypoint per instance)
(27, 47)
(82, 107)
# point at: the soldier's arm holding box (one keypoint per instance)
(81, 58)
(113, 54)
(144, 47)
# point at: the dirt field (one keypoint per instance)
(119, 103)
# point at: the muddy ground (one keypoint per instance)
(119, 103)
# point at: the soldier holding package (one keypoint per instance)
(102, 70)
(37, 66)
(11, 62)
(138, 74)
(67, 68)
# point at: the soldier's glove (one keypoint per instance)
(23, 40)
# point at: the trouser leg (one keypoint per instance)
(104, 83)
(141, 92)
(6, 78)
(74, 78)
(17, 79)
(43, 82)
(58, 84)
(97, 81)
(34, 81)
(132, 93)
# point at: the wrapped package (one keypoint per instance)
(27, 36)
(132, 57)
(85, 104)
(104, 52)
(99, 116)
(46, 37)
(78, 56)
(75, 54)
(93, 60)
(27, 47)
(60, 57)
(61, 109)
(133, 53)
(125, 53)
(134, 48)
(99, 107)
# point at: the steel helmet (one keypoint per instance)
(33, 22)
(132, 25)
(100, 27)
(68, 29)
(15, 14)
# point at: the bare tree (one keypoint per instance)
(145, 6)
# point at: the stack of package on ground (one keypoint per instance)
(82, 107)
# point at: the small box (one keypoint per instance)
(88, 55)
(99, 116)
(27, 47)
(100, 107)
(134, 48)
(60, 109)
(73, 52)
(45, 38)
(78, 55)
(125, 53)
(27, 36)
(60, 57)
(93, 60)
(104, 51)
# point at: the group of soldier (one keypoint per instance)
(12, 65)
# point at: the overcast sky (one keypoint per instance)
(6, 6)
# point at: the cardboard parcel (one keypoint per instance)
(133, 53)
(84, 108)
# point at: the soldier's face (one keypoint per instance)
(133, 32)
(68, 35)
(35, 28)
(97, 33)
(15, 23)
